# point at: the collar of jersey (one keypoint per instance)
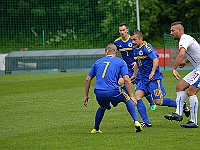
(110, 55)
(126, 40)
(144, 43)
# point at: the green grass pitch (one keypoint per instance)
(45, 111)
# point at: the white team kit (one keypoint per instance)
(192, 52)
(192, 48)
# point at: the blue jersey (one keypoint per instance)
(126, 50)
(125, 47)
(107, 71)
(144, 58)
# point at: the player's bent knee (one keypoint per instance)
(191, 93)
(180, 87)
(157, 101)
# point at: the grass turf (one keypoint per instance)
(45, 111)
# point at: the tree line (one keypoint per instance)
(94, 21)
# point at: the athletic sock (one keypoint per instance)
(98, 118)
(131, 109)
(193, 108)
(150, 99)
(180, 99)
(142, 111)
(168, 102)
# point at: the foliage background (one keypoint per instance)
(72, 24)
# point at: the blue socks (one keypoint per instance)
(142, 111)
(168, 102)
(98, 118)
(131, 109)
(150, 99)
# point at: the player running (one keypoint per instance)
(125, 46)
(151, 77)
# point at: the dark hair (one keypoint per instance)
(122, 24)
(175, 23)
(137, 32)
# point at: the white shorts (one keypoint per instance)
(193, 78)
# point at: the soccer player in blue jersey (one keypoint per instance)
(151, 77)
(107, 90)
(125, 46)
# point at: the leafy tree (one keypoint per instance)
(93, 23)
(115, 12)
(188, 12)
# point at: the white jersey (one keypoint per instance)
(192, 48)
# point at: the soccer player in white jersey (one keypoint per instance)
(190, 48)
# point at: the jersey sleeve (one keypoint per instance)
(153, 55)
(124, 68)
(151, 52)
(184, 43)
(92, 72)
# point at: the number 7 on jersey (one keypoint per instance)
(105, 69)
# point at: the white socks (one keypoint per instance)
(193, 108)
(180, 99)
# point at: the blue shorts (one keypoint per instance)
(155, 88)
(104, 98)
